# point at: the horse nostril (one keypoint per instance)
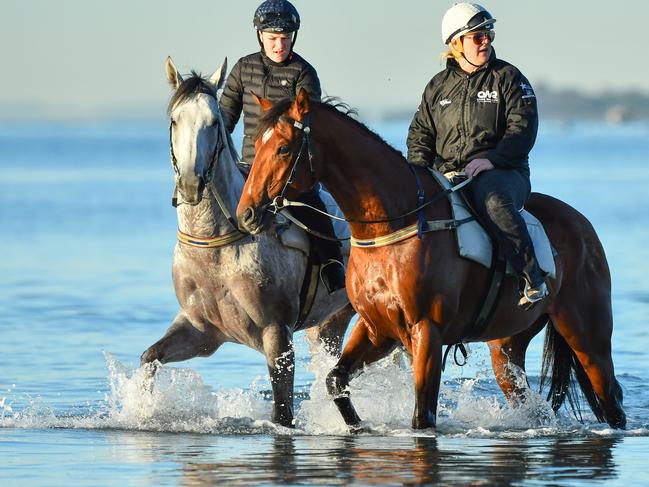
(248, 215)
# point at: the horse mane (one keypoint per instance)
(332, 104)
(191, 86)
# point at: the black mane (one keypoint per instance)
(193, 85)
(331, 104)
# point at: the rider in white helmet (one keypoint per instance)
(479, 116)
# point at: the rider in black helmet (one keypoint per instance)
(276, 72)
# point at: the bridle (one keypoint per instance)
(304, 127)
(208, 178)
(280, 201)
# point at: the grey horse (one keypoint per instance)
(233, 287)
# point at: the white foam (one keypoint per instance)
(178, 400)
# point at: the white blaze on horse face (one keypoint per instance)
(194, 137)
(267, 135)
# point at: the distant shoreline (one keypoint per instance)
(563, 105)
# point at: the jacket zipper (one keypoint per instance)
(463, 117)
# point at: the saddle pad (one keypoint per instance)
(474, 243)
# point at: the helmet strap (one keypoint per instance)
(460, 49)
(474, 65)
(294, 39)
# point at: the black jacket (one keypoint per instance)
(490, 113)
(267, 79)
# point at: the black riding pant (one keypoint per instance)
(323, 250)
(498, 195)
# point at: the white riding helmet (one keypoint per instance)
(463, 18)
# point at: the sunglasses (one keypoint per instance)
(479, 37)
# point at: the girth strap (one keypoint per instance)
(308, 292)
(410, 231)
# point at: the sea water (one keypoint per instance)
(85, 287)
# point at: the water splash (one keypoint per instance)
(178, 400)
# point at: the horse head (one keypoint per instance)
(284, 162)
(196, 129)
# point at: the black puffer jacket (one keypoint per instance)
(258, 74)
(490, 113)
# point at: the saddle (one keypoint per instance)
(474, 243)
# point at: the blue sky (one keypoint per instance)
(91, 59)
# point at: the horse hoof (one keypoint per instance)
(618, 422)
(357, 429)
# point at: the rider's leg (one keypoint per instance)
(499, 195)
(328, 253)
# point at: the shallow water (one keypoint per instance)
(88, 233)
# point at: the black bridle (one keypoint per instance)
(220, 145)
(278, 203)
(305, 128)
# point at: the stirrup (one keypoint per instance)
(332, 275)
(532, 295)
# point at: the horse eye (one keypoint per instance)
(284, 150)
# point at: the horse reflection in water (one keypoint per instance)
(371, 460)
(420, 292)
(231, 287)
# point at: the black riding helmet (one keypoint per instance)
(277, 16)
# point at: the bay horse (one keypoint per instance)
(418, 291)
(231, 287)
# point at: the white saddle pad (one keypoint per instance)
(474, 243)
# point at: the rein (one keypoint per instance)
(422, 226)
(280, 201)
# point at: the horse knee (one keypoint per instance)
(337, 382)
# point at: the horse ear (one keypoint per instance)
(264, 103)
(301, 103)
(173, 76)
(218, 78)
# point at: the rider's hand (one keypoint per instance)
(476, 166)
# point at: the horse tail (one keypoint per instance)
(561, 364)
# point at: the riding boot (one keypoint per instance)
(497, 196)
(327, 253)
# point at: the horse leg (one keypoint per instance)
(183, 341)
(587, 331)
(358, 351)
(280, 357)
(427, 367)
(331, 332)
(508, 361)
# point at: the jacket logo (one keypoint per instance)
(445, 102)
(487, 96)
(528, 92)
